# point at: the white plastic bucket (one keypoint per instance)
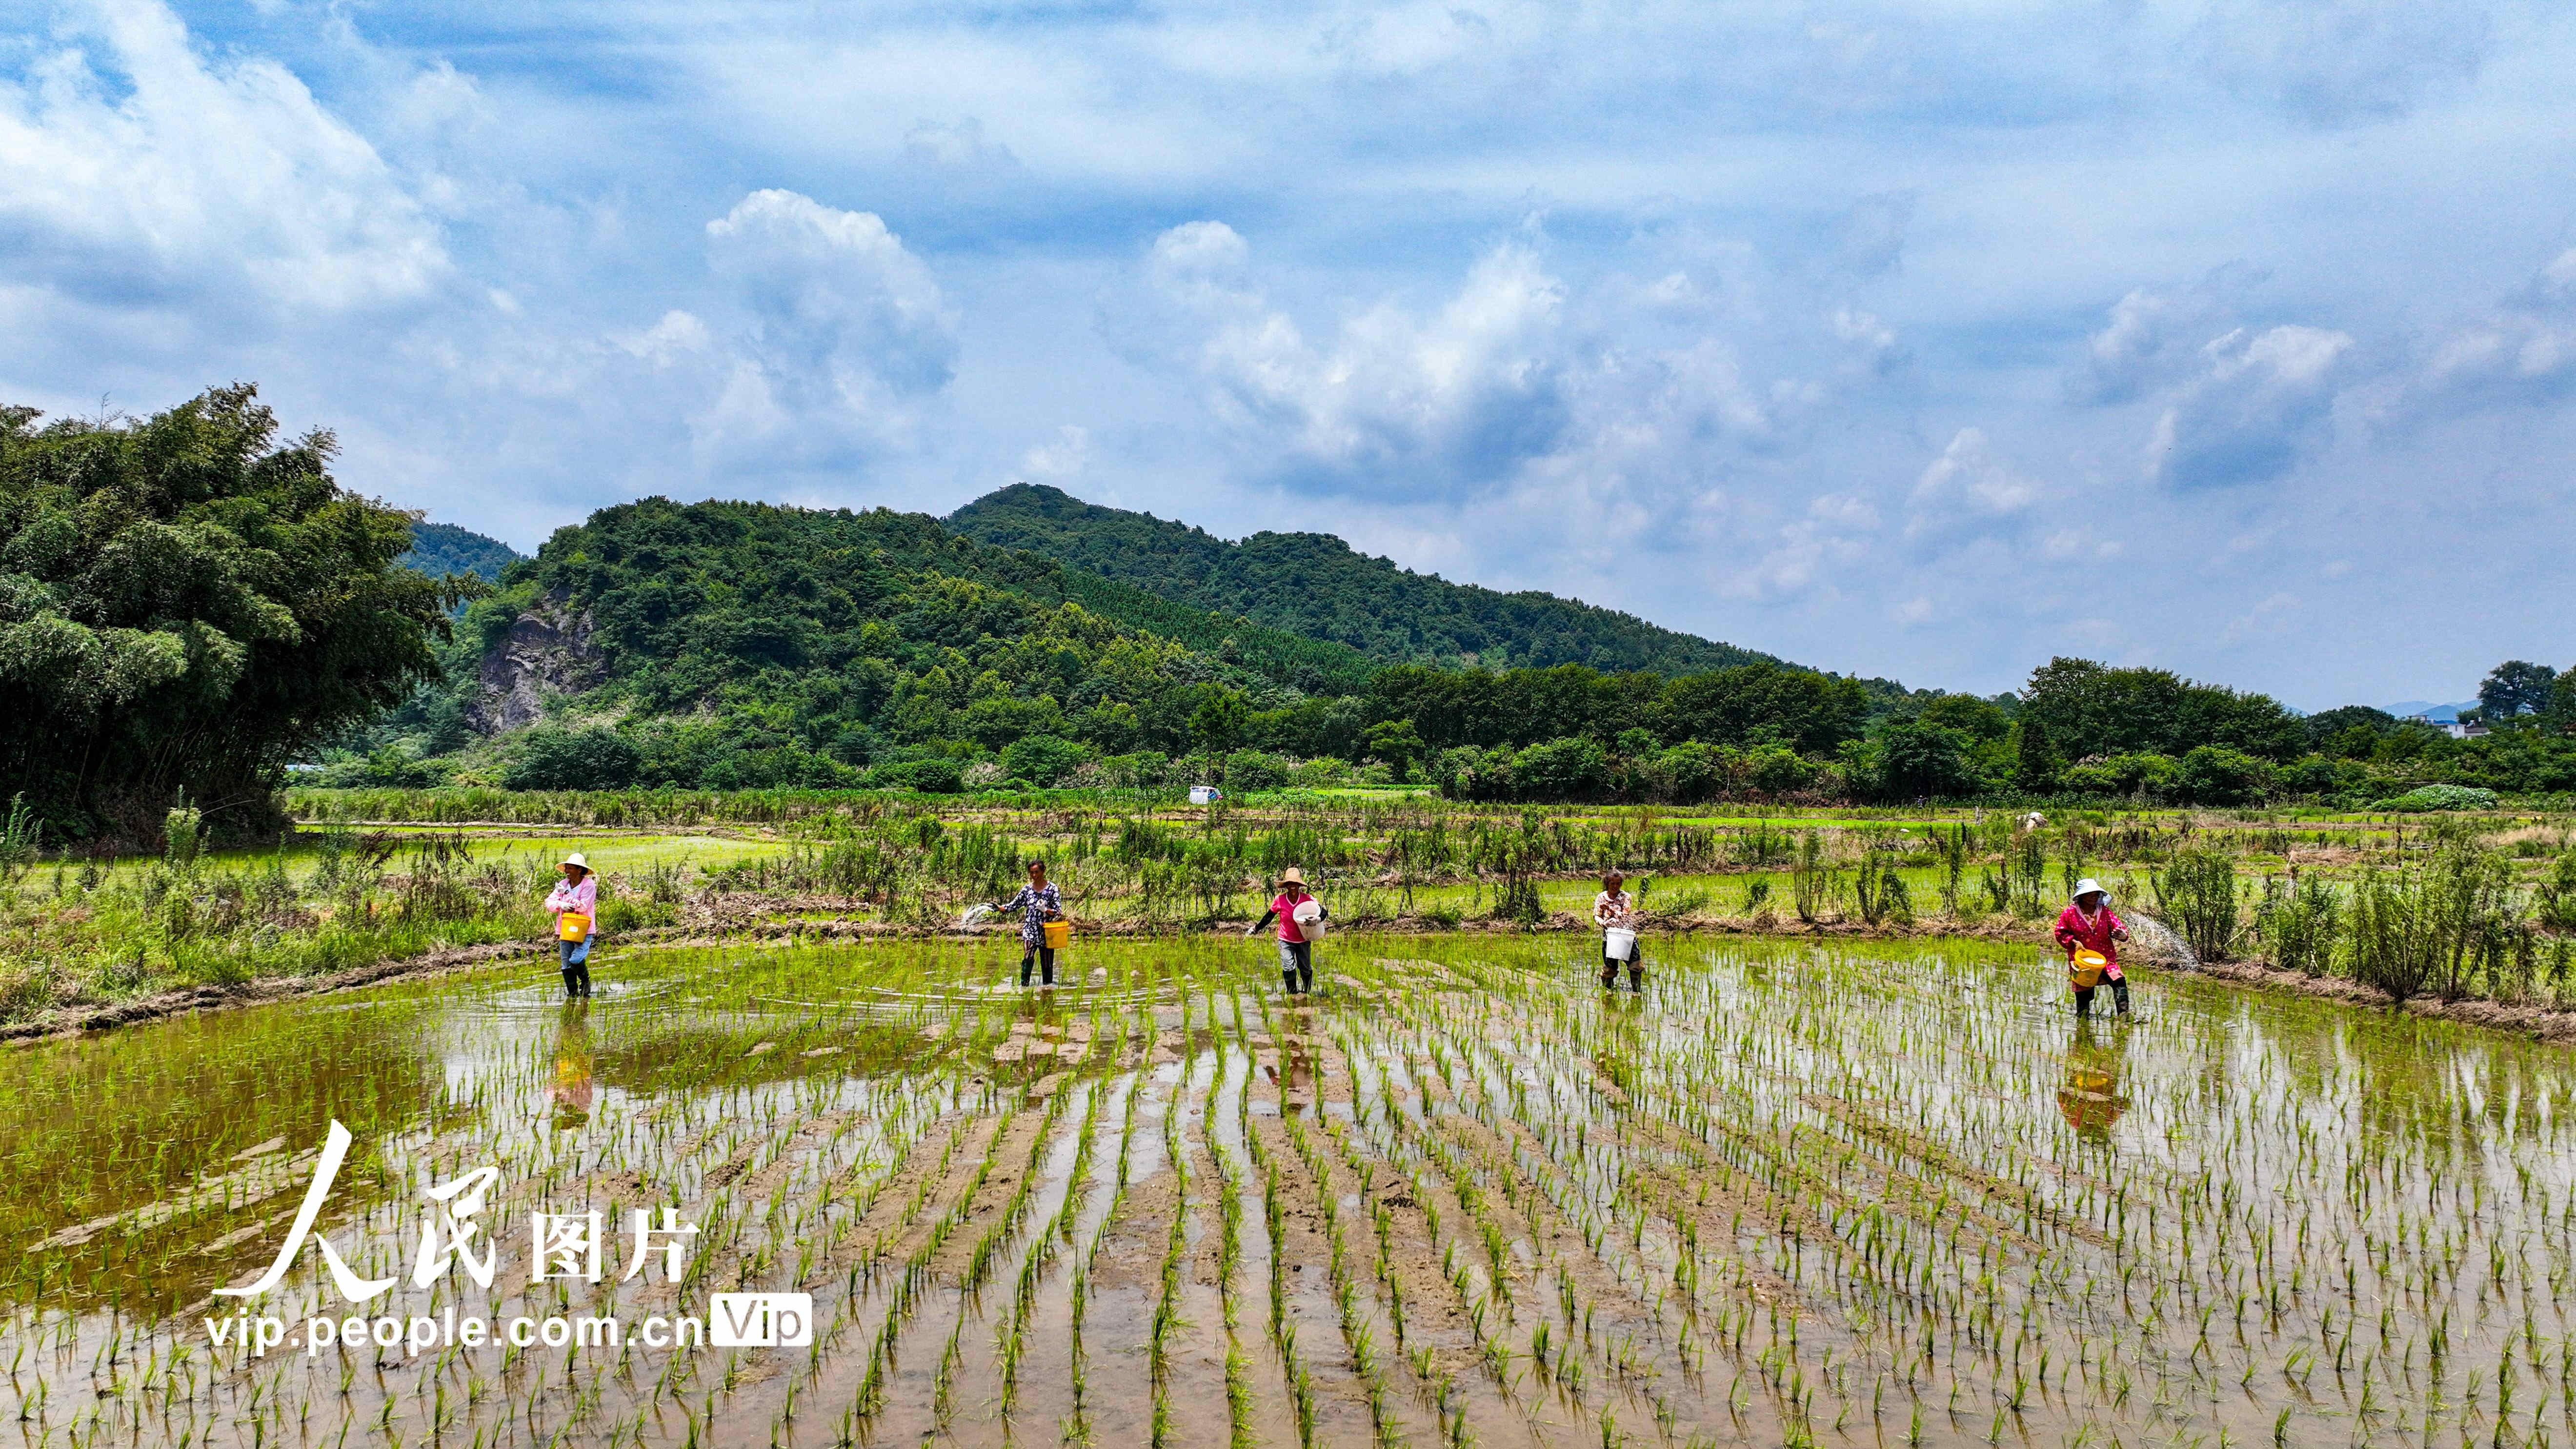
(1205, 794)
(1618, 943)
(1309, 917)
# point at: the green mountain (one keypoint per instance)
(438, 549)
(724, 645)
(1315, 585)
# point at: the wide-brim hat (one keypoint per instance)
(2089, 887)
(575, 859)
(1292, 876)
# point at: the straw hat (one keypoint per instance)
(575, 859)
(1292, 876)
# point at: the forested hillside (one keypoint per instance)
(736, 644)
(439, 549)
(1316, 585)
(724, 645)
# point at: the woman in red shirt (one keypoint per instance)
(1296, 952)
(2089, 925)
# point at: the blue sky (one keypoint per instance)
(1925, 340)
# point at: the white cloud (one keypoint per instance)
(2154, 337)
(2258, 408)
(1461, 396)
(1063, 459)
(957, 146)
(1969, 478)
(147, 175)
(2522, 351)
(848, 334)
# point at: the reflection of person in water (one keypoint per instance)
(2091, 1099)
(1295, 1073)
(570, 1087)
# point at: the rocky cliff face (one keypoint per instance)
(547, 652)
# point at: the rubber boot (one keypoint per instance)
(1609, 974)
(1027, 964)
(571, 989)
(1637, 979)
(1288, 979)
(1305, 980)
(2120, 997)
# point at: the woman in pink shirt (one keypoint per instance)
(2088, 925)
(575, 896)
(1296, 952)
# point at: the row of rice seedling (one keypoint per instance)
(1791, 1195)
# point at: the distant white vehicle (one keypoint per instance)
(1205, 794)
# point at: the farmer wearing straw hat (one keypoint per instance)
(1038, 903)
(2088, 925)
(1296, 946)
(575, 903)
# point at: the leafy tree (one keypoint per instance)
(1041, 760)
(1978, 719)
(2217, 775)
(1396, 742)
(187, 604)
(1219, 721)
(2092, 709)
(1573, 768)
(1255, 770)
(2514, 688)
(2036, 763)
(554, 758)
(1916, 759)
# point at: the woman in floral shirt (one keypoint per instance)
(1037, 903)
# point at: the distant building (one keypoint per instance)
(2451, 727)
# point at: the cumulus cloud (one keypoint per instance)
(1515, 378)
(2260, 405)
(848, 331)
(1968, 480)
(1390, 399)
(2153, 337)
(141, 173)
(2523, 351)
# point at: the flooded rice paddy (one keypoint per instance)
(1880, 1195)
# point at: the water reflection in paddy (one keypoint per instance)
(1461, 1195)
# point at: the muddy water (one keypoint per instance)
(1874, 1195)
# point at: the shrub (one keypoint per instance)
(2300, 922)
(934, 777)
(2130, 774)
(1778, 770)
(1255, 770)
(1691, 772)
(1572, 768)
(2217, 775)
(2198, 891)
(554, 758)
(2440, 797)
(1042, 759)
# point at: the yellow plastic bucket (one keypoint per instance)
(572, 926)
(2086, 969)
(1057, 934)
